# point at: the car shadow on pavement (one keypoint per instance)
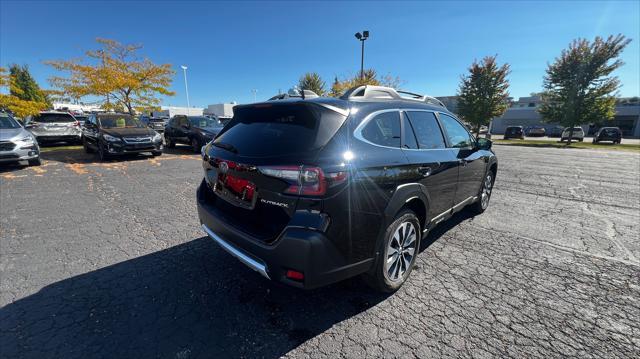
(190, 300)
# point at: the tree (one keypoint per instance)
(13, 102)
(483, 94)
(25, 87)
(578, 88)
(116, 75)
(369, 77)
(312, 81)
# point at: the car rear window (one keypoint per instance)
(277, 129)
(54, 117)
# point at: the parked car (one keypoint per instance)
(535, 131)
(81, 120)
(55, 126)
(195, 131)
(16, 143)
(612, 134)
(155, 123)
(578, 134)
(312, 191)
(555, 131)
(484, 130)
(513, 132)
(111, 134)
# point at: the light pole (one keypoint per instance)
(186, 87)
(362, 37)
(254, 91)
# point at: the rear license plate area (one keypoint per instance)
(235, 190)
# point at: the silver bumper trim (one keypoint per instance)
(248, 261)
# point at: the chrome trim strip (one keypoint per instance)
(248, 261)
(463, 203)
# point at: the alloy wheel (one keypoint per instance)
(400, 251)
(486, 190)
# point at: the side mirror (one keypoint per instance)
(484, 144)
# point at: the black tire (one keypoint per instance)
(101, 154)
(381, 275)
(580, 139)
(169, 142)
(156, 153)
(35, 162)
(195, 145)
(87, 149)
(481, 205)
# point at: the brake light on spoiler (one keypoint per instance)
(305, 180)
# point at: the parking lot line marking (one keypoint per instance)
(566, 249)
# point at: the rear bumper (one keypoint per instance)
(301, 249)
(59, 138)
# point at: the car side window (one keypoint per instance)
(427, 130)
(408, 134)
(383, 129)
(456, 133)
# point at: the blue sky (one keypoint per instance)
(231, 48)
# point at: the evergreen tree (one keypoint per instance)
(25, 87)
(312, 81)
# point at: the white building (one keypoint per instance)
(170, 111)
(78, 107)
(224, 110)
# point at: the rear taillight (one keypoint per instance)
(77, 124)
(305, 180)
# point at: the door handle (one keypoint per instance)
(425, 171)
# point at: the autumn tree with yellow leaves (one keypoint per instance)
(12, 102)
(116, 76)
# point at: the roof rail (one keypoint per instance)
(382, 92)
(303, 94)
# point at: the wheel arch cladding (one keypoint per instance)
(410, 196)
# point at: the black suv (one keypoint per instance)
(112, 134)
(612, 134)
(514, 132)
(313, 191)
(195, 131)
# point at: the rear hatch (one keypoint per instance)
(53, 123)
(263, 162)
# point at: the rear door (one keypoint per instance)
(433, 164)
(471, 163)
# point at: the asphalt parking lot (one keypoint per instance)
(108, 260)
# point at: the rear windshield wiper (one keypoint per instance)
(226, 146)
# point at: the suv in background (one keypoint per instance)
(157, 124)
(54, 126)
(313, 191)
(16, 143)
(514, 132)
(111, 134)
(195, 131)
(612, 134)
(578, 134)
(535, 131)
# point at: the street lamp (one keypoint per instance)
(186, 87)
(254, 91)
(362, 37)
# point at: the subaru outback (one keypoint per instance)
(311, 191)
